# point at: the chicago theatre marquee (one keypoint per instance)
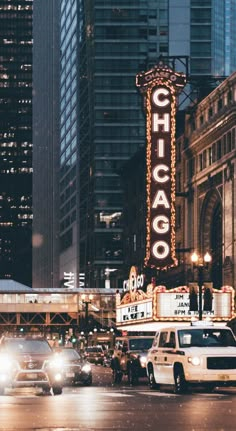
(139, 310)
(208, 208)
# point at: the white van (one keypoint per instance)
(192, 355)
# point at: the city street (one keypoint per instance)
(121, 407)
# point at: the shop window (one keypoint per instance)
(214, 153)
(229, 97)
(219, 150)
(210, 156)
(233, 139)
(219, 104)
(200, 162)
(210, 113)
(229, 142)
(224, 145)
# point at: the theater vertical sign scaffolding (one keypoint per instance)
(160, 86)
(145, 306)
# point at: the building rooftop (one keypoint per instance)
(13, 286)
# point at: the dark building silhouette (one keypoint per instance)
(46, 143)
(16, 140)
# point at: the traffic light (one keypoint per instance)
(73, 339)
(193, 299)
(207, 306)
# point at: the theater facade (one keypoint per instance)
(148, 309)
(203, 215)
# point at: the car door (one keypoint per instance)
(159, 358)
(168, 356)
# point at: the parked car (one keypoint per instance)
(94, 354)
(76, 368)
(29, 362)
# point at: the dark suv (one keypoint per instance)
(29, 362)
(94, 354)
(129, 358)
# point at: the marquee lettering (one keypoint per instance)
(161, 224)
(160, 199)
(160, 86)
(157, 177)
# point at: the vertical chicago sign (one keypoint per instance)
(160, 86)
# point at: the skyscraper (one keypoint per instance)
(16, 140)
(101, 122)
(46, 143)
(116, 42)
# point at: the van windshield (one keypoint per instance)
(205, 337)
(140, 343)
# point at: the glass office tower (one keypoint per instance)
(212, 37)
(69, 139)
(101, 125)
(117, 41)
(46, 142)
(16, 140)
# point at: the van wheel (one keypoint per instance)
(57, 390)
(88, 382)
(47, 390)
(180, 382)
(151, 380)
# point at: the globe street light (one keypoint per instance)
(200, 262)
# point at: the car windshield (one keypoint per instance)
(202, 337)
(27, 346)
(140, 343)
(70, 355)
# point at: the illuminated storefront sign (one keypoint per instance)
(134, 312)
(135, 280)
(173, 305)
(160, 86)
(161, 304)
(134, 304)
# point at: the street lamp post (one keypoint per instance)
(200, 263)
(86, 300)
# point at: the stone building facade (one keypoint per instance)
(208, 169)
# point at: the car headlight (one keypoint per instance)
(5, 362)
(143, 361)
(56, 362)
(86, 368)
(194, 360)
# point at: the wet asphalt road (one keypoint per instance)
(104, 407)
